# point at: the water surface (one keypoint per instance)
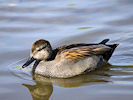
(64, 22)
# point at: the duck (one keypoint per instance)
(68, 60)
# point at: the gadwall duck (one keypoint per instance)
(68, 60)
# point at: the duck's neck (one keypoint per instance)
(49, 53)
(51, 56)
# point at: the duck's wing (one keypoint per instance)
(76, 54)
(62, 48)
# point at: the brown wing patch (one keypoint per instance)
(58, 50)
(76, 54)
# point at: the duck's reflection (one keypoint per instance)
(44, 86)
(40, 91)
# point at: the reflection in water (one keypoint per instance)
(80, 28)
(108, 73)
(41, 91)
(44, 86)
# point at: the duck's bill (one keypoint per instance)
(28, 62)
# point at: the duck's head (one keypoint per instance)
(41, 50)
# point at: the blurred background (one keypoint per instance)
(64, 22)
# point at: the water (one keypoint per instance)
(65, 22)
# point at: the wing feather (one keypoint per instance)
(76, 54)
(62, 48)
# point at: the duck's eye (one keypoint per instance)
(41, 48)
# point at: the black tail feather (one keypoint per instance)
(108, 54)
(113, 46)
(104, 41)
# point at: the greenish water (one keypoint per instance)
(64, 22)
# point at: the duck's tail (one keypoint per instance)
(113, 46)
(108, 54)
(104, 41)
